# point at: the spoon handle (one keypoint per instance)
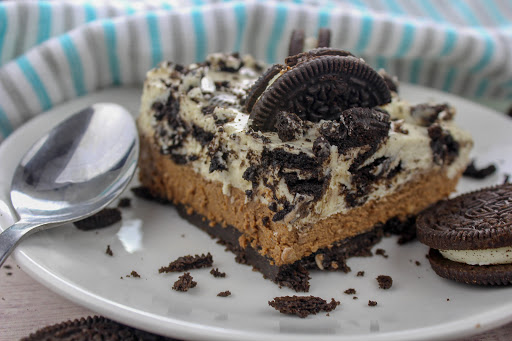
(12, 236)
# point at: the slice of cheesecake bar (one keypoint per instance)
(297, 166)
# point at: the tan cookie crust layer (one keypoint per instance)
(182, 185)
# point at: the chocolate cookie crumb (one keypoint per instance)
(9, 273)
(302, 306)
(385, 282)
(188, 263)
(91, 328)
(355, 298)
(109, 251)
(472, 172)
(506, 180)
(7, 266)
(417, 263)
(360, 274)
(104, 218)
(124, 203)
(216, 273)
(289, 126)
(381, 252)
(350, 291)
(134, 274)
(184, 283)
(372, 303)
(224, 293)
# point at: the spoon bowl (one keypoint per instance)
(73, 171)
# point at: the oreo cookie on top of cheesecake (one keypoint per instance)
(470, 236)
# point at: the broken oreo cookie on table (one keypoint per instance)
(470, 236)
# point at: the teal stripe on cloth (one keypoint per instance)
(324, 15)
(200, 32)
(75, 64)
(241, 19)
(481, 88)
(5, 124)
(394, 7)
(109, 30)
(407, 39)
(277, 32)
(365, 34)
(90, 12)
(34, 80)
(491, 8)
(431, 11)
(414, 75)
(471, 18)
(154, 37)
(381, 62)
(449, 42)
(44, 24)
(166, 6)
(449, 79)
(4, 21)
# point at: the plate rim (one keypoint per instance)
(124, 314)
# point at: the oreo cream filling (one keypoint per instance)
(501, 255)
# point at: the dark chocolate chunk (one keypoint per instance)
(320, 88)
(372, 303)
(109, 251)
(302, 306)
(188, 263)
(296, 45)
(475, 220)
(92, 328)
(472, 172)
(224, 293)
(124, 203)
(444, 147)
(500, 274)
(289, 126)
(324, 37)
(104, 218)
(385, 282)
(216, 273)
(184, 283)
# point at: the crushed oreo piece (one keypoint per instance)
(372, 303)
(445, 148)
(184, 283)
(406, 229)
(321, 148)
(216, 273)
(289, 126)
(381, 252)
(350, 291)
(472, 172)
(224, 293)
(104, 218)
(124, 203)
(426, 114)
(296, 45)
(92, 328)
(391, 81)
(385, 282)
(302, 306)
(109, 251)
(188, 263)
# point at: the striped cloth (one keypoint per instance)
(52, 52)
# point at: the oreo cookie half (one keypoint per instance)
(471, 236)
(316, 85)
(92, 328)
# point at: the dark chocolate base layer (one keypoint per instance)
(296, 275)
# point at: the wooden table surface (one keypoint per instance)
(26, 306)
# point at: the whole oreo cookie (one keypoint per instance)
(92, 328)
(471, 236)
(316, 85)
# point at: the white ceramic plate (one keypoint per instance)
(420, 305)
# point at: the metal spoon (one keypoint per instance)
(72, 172)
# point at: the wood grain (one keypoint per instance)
(26, 306)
